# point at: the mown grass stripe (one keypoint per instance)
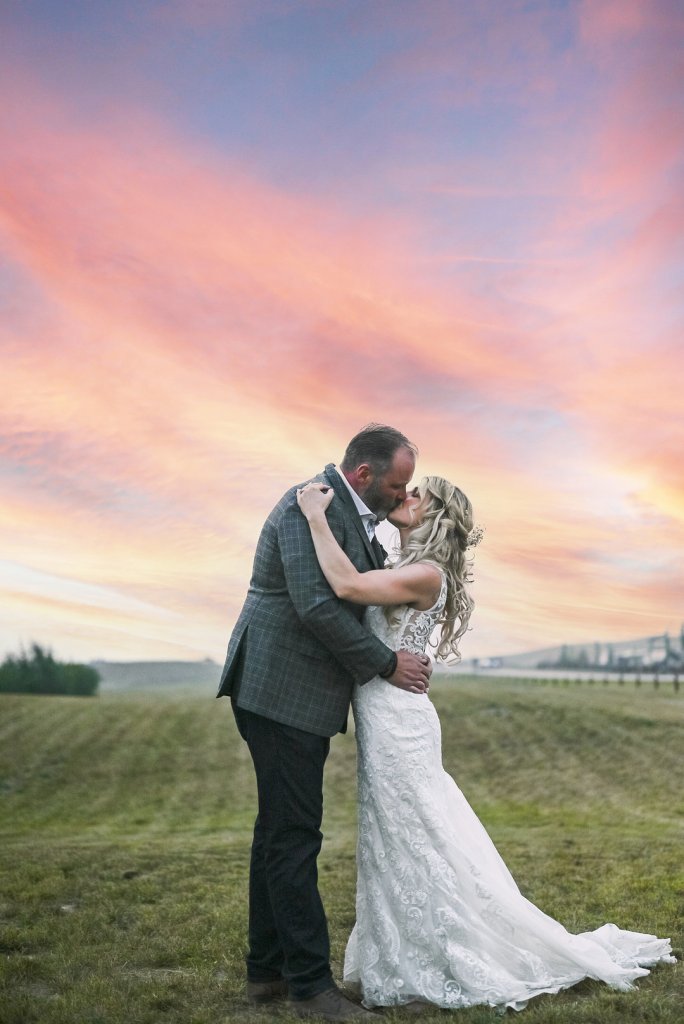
(125, 825)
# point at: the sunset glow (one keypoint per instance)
(234, 233)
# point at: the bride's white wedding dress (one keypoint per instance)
(439, 918)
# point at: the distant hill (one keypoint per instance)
(150, 676)
(662, 651)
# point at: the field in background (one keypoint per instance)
(126, 822)
(159, 677)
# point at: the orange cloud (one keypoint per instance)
(188, 340)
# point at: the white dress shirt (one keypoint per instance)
(368, 518)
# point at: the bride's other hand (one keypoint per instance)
(314, 498)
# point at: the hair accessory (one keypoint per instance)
(475, 536)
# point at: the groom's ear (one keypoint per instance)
(364, 474)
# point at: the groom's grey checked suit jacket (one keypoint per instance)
(296, 650)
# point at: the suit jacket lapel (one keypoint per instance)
(333, 478)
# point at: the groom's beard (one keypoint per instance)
(378, 502)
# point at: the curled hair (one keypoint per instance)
(443, 537)
(376, 445)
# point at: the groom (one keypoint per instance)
(293, 658)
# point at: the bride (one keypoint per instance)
(439, 918)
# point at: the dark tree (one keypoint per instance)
(38, 672)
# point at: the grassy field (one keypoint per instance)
(125, 828)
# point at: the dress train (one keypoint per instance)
(439, 918)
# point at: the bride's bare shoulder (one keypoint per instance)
(427, 581)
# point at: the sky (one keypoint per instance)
(232, 232)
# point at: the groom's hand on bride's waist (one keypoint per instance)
(412, 673)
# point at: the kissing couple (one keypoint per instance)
(440, 921)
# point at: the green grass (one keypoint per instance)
(125, 828)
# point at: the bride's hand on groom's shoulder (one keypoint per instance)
(314, 498)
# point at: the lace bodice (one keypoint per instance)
(407, 629)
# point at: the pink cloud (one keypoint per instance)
(187, 340)
(640, 122)
(612, 22)
(164, 283)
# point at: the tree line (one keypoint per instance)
(36, 671)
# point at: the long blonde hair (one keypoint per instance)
(443, 537)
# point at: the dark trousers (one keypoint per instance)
(288, 931)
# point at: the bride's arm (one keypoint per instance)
(412, 584)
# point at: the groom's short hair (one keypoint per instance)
(376, 445)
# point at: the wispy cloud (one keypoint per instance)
(190, 328)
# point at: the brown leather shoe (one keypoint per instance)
(260, 992)
(330, 1005)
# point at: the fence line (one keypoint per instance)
(656, 680)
